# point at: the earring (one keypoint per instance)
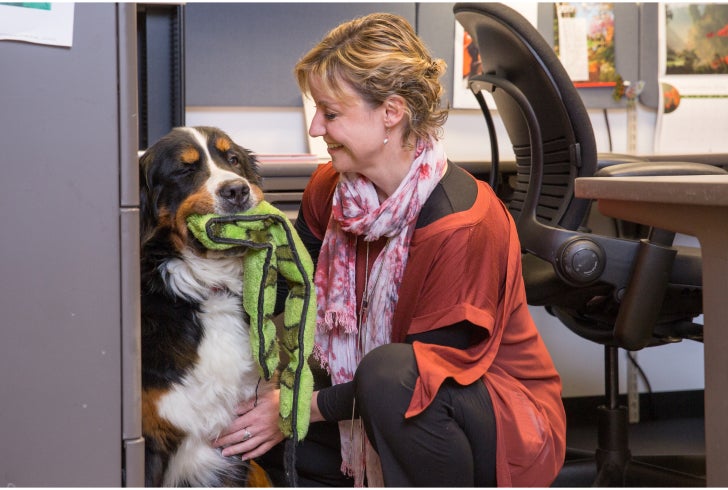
(386, 135)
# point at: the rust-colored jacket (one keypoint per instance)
(467, 266)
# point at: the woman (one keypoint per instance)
(438, 376)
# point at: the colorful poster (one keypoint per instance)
(584, 42)
(693, 79)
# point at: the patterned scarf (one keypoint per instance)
(339, 345)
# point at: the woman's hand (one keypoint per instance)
(255, 430)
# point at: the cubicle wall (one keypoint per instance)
(69, 349)
(242, 54)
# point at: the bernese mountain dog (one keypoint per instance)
(197, 363)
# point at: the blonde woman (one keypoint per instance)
(433, 373)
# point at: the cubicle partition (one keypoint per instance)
(69, 257)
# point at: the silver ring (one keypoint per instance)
(246, 435)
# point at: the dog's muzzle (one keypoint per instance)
(234, 196)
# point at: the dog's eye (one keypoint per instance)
(186, 169)
(233, 160)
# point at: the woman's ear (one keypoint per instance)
(394, 110)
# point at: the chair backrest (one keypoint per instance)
(553, 142)
(515, 54)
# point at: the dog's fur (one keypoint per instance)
(196, 358)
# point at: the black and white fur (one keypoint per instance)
(197, 363)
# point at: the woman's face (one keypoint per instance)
(354, 131)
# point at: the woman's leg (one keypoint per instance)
(452, 443)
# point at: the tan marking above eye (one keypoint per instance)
(222, 144)
(189, 155)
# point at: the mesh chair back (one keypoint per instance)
(512, 50)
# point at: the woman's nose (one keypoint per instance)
(317, 127)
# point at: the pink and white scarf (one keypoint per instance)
(356, 211)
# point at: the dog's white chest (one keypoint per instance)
(224, 374)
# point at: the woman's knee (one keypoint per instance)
(384, 382)
(386, 368)
(383, 386)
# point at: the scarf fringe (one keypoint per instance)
(320, 355)
(338, 321)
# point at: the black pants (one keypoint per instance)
(450, 444)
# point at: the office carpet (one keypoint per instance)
(670, 424)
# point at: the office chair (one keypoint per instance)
(621, 292)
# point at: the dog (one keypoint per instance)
(197, 363)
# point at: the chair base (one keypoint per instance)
(647, 471)
(614, 466)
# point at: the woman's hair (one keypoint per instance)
(380, 55)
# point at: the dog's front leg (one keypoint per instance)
(155, 466)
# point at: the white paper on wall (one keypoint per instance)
(48, 23)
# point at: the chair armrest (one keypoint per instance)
(715, 159)
(637, 169)
(609, 159)
(645, 293)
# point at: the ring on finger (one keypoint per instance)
(246, 434)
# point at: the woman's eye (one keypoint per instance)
(327, 113)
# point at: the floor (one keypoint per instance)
(670, 424)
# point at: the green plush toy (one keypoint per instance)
(273, 247)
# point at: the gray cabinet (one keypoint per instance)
(69, 307)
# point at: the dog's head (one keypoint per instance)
(194, 170)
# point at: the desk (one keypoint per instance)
(698, 206)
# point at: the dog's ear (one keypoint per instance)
(148, 209)
(255, 166)
(252, 169)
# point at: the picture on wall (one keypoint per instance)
(696, 37)
(584, 42)
(693, 77)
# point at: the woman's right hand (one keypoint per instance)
(255, 431)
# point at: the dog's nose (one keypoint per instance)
(235, 192)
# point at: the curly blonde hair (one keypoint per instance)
(380, 55)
